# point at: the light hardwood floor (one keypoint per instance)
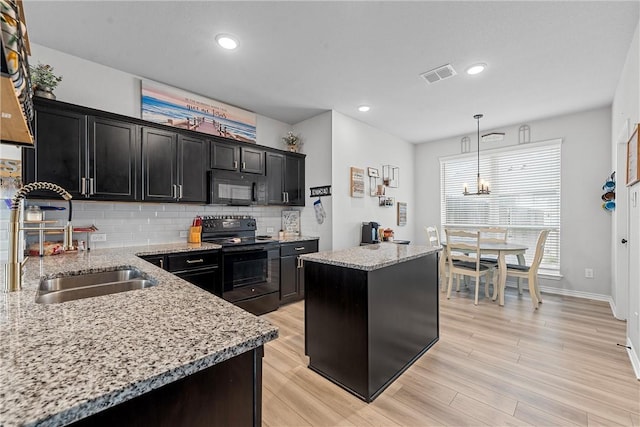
(496, 366)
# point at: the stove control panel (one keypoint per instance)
(227, 223)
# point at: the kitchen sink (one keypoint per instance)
(87, 285)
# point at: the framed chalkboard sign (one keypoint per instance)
(633, 167)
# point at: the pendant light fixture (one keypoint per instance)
(482, 186)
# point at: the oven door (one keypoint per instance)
(236, 189)
(249, 272)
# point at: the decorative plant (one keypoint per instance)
(42, 77)
(291, 140)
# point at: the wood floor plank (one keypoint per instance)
(485, 413)
(596, 421)
(537, 417)
(511, 366)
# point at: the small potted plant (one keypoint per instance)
(43, 80)
(291, 141)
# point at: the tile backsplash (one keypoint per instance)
(131, 224)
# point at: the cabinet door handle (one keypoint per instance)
(287, 194)
(180, 188)
(174, 191)
(244, 165)
(301, 248)
(83, 186)
(195, 261)
(91, 187)
(235, 164)
(300, 261)
(284, 197)
(161, 263)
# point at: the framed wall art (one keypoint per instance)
(357, 182)
(402, 213)
(633, 167)
(174, 107)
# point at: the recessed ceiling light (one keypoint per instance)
(476, 69)
(227, 41)
(364, 108)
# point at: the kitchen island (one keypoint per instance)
(370, 312)
(165, 355)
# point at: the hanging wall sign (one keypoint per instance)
(325, 190)
(357, 182)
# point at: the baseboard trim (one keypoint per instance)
(633, 356)
(614, 309)
(578, 294)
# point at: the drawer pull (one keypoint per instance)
(195, 261)
(301, 248)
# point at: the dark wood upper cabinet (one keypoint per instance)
(174, 166)
(88, 156)
(192, 169)
(225, 155)
(159, 165)
(98, 155)
(112, 159)
(275, 179)
(232, 157)
(252, 160)
(285, 179)
(294, 179)
(60, 152)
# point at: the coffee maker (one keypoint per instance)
(370, 233)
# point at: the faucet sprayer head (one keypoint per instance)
(22, 192)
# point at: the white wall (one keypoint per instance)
(360, 145)
(586, 162)
(93, 85)
(315, 134)
(625, 114)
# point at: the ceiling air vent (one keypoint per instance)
(440, 73)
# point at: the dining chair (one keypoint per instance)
(494, 235)
(530, 272)
(463, 255)
(433, 239)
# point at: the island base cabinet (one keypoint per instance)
(226, 394)
(364, 328)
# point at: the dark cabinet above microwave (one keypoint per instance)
(232, 157)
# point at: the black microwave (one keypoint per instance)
(236, 189)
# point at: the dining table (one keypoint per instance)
(501, 249)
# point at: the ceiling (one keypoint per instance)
(298, 59)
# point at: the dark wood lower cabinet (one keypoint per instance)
(226, 394)
(292, 269)
(364, 328)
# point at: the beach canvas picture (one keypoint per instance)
(174, 107)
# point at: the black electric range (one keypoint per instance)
(250, 263)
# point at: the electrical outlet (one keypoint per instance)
(183, 233)
(588, 273)
(269, 229)
(98, 237)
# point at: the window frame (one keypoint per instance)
(521, 233)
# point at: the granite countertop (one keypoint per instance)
(371, 257)
(290, 239)
(63, 362)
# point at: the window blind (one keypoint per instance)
(525, 195)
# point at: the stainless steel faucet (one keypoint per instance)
(13, 267)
